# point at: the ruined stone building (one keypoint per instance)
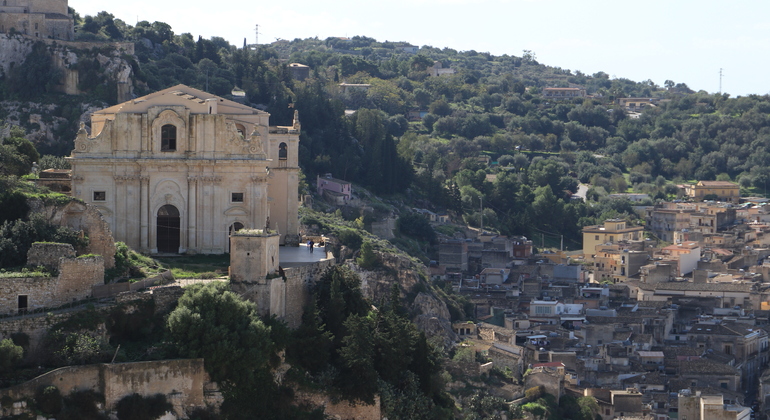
(37, 18)
(178, 170)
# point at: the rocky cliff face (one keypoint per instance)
(430, 313)
(49, 124)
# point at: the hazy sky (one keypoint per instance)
(686, 41)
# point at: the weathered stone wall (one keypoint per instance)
(48, 254)
(77, 276)
(37, 325)
(503, 359)
(81, 217)
(341, 410)
(34, 326)
(253, 256)
(284, 298)
(74, 282)
(181, 381)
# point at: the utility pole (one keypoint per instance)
(720, 80)
(481, 215)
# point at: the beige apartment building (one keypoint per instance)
(613, 230)
(722, 190)
(178, 170)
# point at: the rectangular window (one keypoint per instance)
(22, 303)
(168, 138)
(236, 197)
(596, 238)
(100, 196)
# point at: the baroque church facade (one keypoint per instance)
(179, 170)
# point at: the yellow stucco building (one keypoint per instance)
(723, 190)
(613, 230)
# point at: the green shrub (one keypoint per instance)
(350, 238)
(10, 354)
(368, 259)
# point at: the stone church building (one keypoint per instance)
(37, 18)
(179, 170)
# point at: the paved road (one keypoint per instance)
(582, 190)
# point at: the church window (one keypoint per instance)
(100, 196)
(282, 151)
(241, 129)
(168, 138)
(236, 197)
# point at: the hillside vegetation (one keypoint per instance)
(539, 149)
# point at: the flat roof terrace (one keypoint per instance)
(290, 256)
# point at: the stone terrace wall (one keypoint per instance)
(47, 254)
(298, 284)
(181, 381)
(284, 298)
(77, 276)
(74, 282)
(37, 325)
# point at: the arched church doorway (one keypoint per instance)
(235, 227)
(168, 229)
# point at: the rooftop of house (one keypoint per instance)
(717, 184)
(650, 378)
(674, 352)
(549, 365)
(706, 367)
(683, 245)
(562, 88)
(328, 177)
(197, 101)
(650, 353)
(705, 287)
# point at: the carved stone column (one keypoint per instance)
(120, 215)
(144, 211)
(192, 225)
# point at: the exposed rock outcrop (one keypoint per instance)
(431, 313)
